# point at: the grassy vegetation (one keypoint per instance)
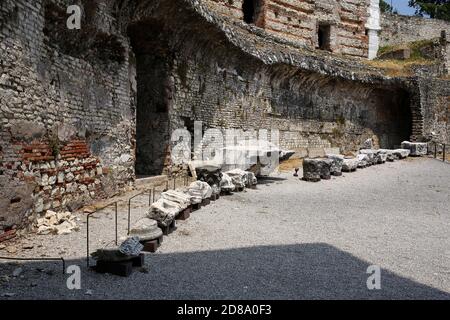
(395, 67)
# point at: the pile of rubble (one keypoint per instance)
(317, 169)
(56, 223)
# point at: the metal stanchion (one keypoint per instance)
(87, 227)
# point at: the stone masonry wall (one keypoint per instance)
(398, 29)
(79, 109)
(66, 117)
(309, 110)
(298, 21)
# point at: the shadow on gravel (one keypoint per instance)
(304, 271)
(270, 180)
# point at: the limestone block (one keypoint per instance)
(371, 154)
(350, 164)
(363, 161)
(316, 152)
(226, 184)
(401, 153)
(416, 148)
(164, 211)
(251, 179)
(200, 189)
(389, 154)
(336, 166)
(129, 249)
(146, 229)
(182, 199)
(316, 169)
(239, 177)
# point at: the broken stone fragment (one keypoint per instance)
(210, 174)
(200, 189)
(251, 179)
(401, 153)
(146, 229)
(56, 223)
(131, 247)
(336, 165)
(164, 211)
(226, 184)
(239, 177)
(363, 160)
(368, 144)
(316, 169)
(389, 154)
(416, 149)
(350, 164)
(380, 157)
(182, 199)
(128, 249)
(371, 155)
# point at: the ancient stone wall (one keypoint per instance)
(398, 29)
(212, 80)
(66, 110)
(79, 109)
(435, 101)
(309, 110)
(342, 24)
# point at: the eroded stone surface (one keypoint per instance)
(336, 166)
(350, 164)
(239, 178)
(416, 149)
(316, 169)
(164, 211)
(146, 229)
(226, 183)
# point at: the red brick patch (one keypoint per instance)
(7, 235)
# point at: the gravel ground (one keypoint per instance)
(288, 239)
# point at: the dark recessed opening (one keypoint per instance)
(16, 200)
(248, 8)
(253, 12)
(153, 92)
(324, 37)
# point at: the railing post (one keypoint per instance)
(129, 216)
(435, 150)
(116, 225)
(153, 196)
(443, 152)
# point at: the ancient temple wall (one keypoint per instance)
(66, 116)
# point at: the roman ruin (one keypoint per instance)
(86, 113)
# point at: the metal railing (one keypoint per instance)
(151, 199)
(151, 195)
(87, 227)
(436, 148)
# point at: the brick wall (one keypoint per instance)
(66, 116)
(299, 20)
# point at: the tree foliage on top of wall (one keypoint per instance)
(438, 9)
(386, 7)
